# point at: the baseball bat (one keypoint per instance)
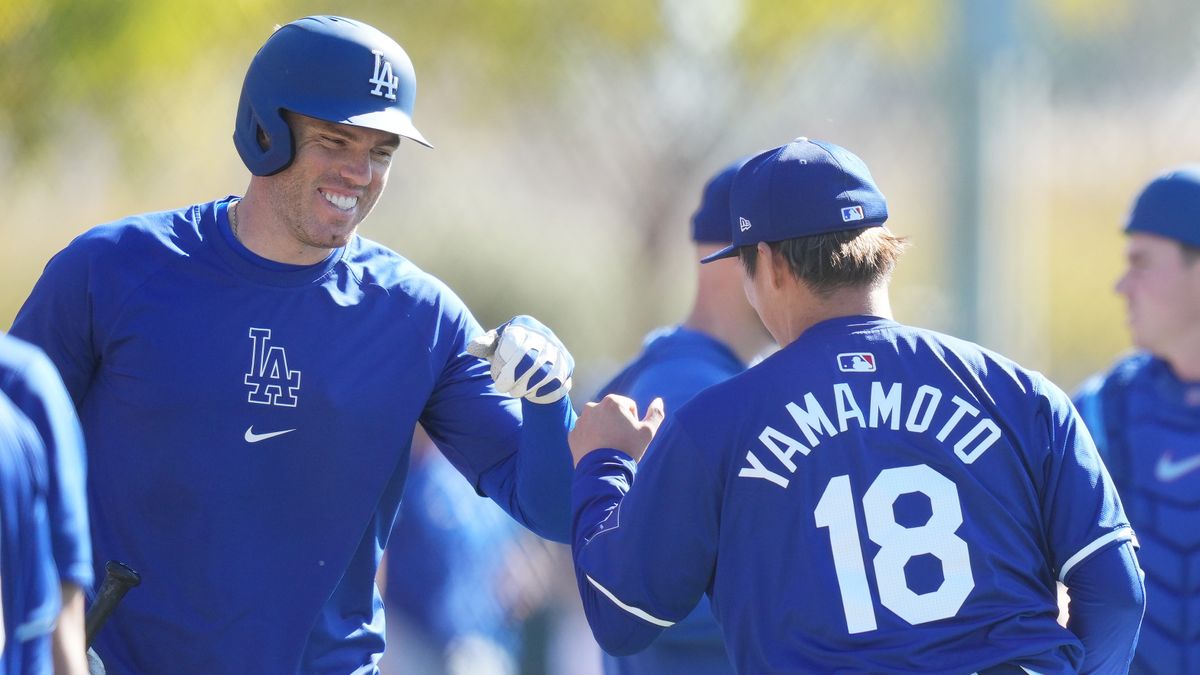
(118, 579)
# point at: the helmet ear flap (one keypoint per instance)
(264, 140)
(280, 150)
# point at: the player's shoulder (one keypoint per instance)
(682, 360)
(961, 349)
(926, 354)
(988, 367)
(913, 346)
(1127, 370)
(377, 265)
(740, 391)
(680, 348)
(140, 239)
(381, 264)
(1134, 366)
(374, 265)
(901, 348)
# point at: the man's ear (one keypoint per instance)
(772, 264)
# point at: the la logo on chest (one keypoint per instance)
(270, 380)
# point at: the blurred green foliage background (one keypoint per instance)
(573, 137)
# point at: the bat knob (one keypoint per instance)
(118, 579)
(122, 573)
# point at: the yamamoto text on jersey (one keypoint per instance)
(922, 412)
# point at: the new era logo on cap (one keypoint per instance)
(743, 224)
(852, 213)
(856, 362)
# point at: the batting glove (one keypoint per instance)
(528, 361)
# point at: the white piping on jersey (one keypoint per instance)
(641, 614)
(1027, 671)
(1123, 534)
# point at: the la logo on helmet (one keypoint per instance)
(383, 77)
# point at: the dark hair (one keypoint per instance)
(828, 262)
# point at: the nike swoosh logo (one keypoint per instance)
(1168, 470)
(252, 437)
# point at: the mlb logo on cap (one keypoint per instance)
(852, 213)
(856, 362)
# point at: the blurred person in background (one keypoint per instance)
(719, 337)
(1145, 415)
(31, 383)
(29, 599)
(873, 497)
(445, 561)
(248, 372)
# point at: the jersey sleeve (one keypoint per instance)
(58, 316)
(38, 392)
(644, 538)
(472, 424)
(514, 452)
(28, 584)
(1080, 505)
(1108, 598)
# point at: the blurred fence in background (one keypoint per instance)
(572, 139)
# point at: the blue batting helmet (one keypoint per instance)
(328, 67)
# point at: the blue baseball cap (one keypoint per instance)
(711, 223)
(800, 189)
(1170, 206)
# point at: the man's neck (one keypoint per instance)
(745, 336)
(258, 229)
(812, 309)
(1185, 363)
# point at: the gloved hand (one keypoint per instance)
(528, 361)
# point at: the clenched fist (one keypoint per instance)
(614, 423)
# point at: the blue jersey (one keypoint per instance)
(28, 580)
(675, 364)
(248, 427)
(34, 386)
(1146, 423)
(871, 498)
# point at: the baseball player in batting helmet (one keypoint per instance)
(249, 372)
(315, 67)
